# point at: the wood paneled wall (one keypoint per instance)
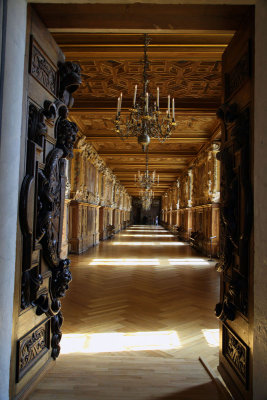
(192, 204)
(96, 201)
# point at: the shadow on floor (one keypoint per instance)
(205, 390)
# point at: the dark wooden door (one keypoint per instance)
(42, 276)
(235, 309)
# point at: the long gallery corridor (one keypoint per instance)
(137, 317)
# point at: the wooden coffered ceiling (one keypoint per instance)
(187, 43)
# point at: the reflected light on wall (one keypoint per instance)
(211, 336)
(148, 235)
(125, 261)
(148, 244)
(189, 261)
(118, 341)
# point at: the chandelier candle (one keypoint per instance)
(135, 93)
(118, 107)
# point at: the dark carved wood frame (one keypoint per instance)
(236, 218)
(42, 203)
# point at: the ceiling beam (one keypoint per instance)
(162, 180)
(83, 104)
(172, 139)
(163, 174)
(151, 165)
(141, 17)
(190, 53)
(184, 154)
(135, 167)
(130, 39)
(194, 110)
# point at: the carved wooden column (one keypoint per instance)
(75, 233)
(101, 223)
(190, 187)
(75, 172)
(215, 229)
(215, 174)
(65, 228)
(178, 203)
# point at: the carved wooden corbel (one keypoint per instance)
(70, 80)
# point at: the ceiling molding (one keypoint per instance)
(141, 16)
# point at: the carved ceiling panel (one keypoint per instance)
(187, 43)
(169, 159)
(112, 64)
(163, 149)
(153, 160)
(180, 79)
(187, 123)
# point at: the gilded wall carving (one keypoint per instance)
(85, 177)
(191, 206)
(206, 177)
(94, 187)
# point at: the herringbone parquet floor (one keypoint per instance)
(138, 315)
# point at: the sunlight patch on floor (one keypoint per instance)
(146, 227)
(211, 336)
(125, 261)
(145, 230)
(148, 235)
(118, 341)
(189, 261)
(148, 244)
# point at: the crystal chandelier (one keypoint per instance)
(145, 120)
(146, 198)
(147, 179)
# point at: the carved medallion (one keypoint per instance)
(43, 69)
(31, 347)
(236, 353)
